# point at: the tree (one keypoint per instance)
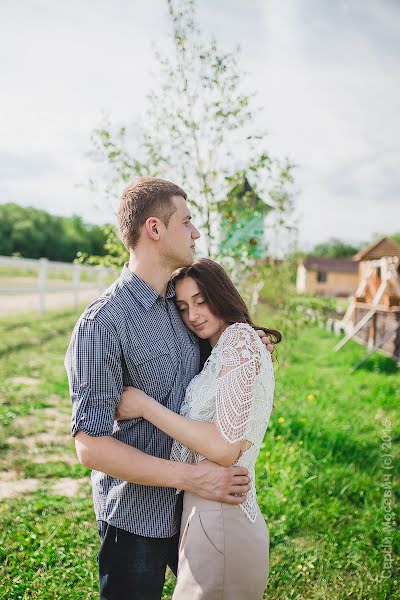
(395, 237)
(335, 248)
(34, 233)
(201, 133)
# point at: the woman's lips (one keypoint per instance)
(199, 326)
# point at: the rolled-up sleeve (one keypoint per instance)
(94, 368)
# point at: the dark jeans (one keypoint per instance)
(132, 567)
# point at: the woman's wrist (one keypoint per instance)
(148, 408)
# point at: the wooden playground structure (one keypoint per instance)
(373, 315)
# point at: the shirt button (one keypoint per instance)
(83, 386)
(83, 417)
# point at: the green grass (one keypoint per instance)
(320, 473)
(321, 470)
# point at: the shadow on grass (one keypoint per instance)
(35, 341)
(377, 363)
(338, 446)
(25, 319)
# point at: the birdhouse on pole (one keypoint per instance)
(242, 220)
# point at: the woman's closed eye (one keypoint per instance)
(182, 308)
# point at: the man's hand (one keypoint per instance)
(265, 340)
(214, 482)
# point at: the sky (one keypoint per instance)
(327, 75)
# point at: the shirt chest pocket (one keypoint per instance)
(152, 369)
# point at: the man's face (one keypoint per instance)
(178, 239)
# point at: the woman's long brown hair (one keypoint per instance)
(221, 295)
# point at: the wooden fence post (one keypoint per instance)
(76, 283)
(101, 278)
(46, 282)
(42, 281)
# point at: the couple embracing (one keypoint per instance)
(172, 389)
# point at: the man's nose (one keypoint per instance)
(195, 233)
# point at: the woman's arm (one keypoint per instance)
(223, 440)
(202, 437)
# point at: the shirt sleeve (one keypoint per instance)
(94, 368)
(239, 365)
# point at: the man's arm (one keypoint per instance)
(121, 461)
(94, 368)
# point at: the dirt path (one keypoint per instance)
(12, 486)
(23, 303)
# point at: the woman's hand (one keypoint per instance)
(132, 404)
(267, 342)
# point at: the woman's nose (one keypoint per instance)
(193, 314)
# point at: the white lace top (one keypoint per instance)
(235, 391)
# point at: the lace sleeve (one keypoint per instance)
(239, 364)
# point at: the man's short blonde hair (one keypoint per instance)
(142, 198)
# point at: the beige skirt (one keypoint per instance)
(222, 555)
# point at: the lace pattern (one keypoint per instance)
(235, 391)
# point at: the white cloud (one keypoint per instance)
(331, 98)
(64, 64)
(327, 74)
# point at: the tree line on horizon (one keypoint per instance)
(33, 233)
(337, 248)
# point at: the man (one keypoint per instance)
(133, 335)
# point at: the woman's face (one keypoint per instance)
(195, 311)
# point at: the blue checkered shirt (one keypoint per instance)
(131, 336)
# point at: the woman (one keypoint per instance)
(224, 549)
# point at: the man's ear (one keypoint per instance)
(152, 228)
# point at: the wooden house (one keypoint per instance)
(373, 316)
(379, 270)
(327, 276)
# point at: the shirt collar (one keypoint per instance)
(143, 292)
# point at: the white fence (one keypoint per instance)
(52, 278)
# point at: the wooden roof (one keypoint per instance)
(323, 263)
(378, 249)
